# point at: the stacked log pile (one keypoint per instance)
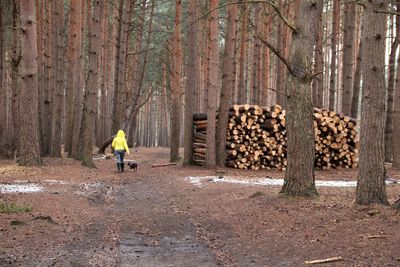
(256, 138)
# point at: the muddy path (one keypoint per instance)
(154, 228)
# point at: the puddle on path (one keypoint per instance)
(20, 188)
(135, 250)
(198, 181)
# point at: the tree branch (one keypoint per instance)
(272, 3)
(278, 54)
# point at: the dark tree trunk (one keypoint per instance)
(371, 176)
(357, 83)
(176, 84)
(348, 56)
(227, 84)
(191, 84)
(59, 82)
(213, 89)
(29, 150)
(89, 108)
(333, 67)
(390, 94)
(318, 83)
(299, 178)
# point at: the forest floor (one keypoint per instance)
(158, 217)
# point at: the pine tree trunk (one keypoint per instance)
(333, 67)
(2, 88)
(74, 44)
(176, 83)
(59, 85)
(119, 79)
(265, 64)
(15, 75)
(318, 82)
(396, 112)
(348, 55)
(357, 83)
(89, 108)
(191, 84)
(29, 149)
(242, 56)
(47, 87)
(299, 178)
(228, 81)
(281, 76)
(371, 176)
(396, 121)
(213, 90)
(390, 95)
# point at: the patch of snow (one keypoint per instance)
(54, 181)
(198, 181)
(20, 188)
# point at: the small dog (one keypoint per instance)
(133, 165)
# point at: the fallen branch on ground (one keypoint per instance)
(328, 260)
(163, 165)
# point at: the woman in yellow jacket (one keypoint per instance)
(120, 146)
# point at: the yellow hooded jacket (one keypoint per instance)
(119, 142)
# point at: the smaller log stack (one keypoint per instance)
(256, 138)
(199, 138)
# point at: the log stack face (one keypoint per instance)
(256, 138)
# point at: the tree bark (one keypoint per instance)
(191, 84)
(348, 55)
(15, 75)
(213, 90)
(396, 120)
(318, 82)
(357, 83)
(227, 85)
(299, 178)
(74, 43)
(371, 175)
(242, 56)
(281, 76)
(29, 150)
(390, 94)
(176, 83)
(119, 79)
(47, 93)
(334, 41)
(89, 108)
(58, 14)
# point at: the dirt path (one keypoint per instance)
(155, 217)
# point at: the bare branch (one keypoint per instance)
(278, 54)
(272, 3)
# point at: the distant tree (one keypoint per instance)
(371, 175)
(29, 150)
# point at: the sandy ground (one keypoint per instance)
(157, 217)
